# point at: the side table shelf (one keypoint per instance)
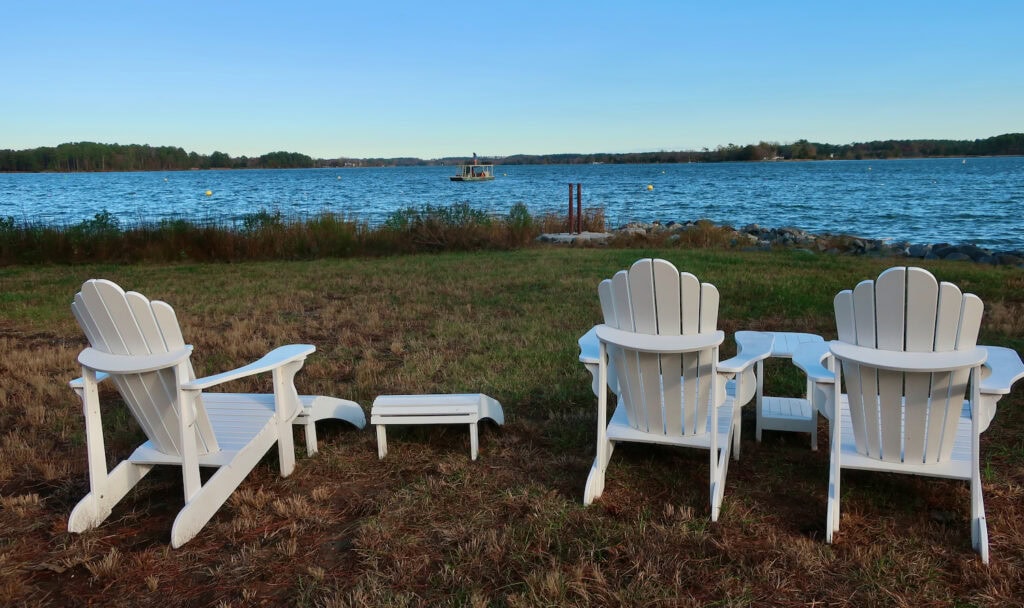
(793, 414)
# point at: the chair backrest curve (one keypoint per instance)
(128, 324)
(662, 394)
(900, 416)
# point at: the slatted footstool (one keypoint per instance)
(433, 409)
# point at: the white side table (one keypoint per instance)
(795, 414)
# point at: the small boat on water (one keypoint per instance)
(474, 172)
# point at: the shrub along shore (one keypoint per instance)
(266, 235)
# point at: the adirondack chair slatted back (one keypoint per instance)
(667, 394)
(902, 416)
(129, 324)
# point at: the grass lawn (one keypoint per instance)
(427, 526)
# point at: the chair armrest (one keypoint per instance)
(751, 346)
(650, 343)
(100, 361)
(276, 358)
(590, 350)
(79, 383)
(908, 361)
(1002, 369)
(810, 357)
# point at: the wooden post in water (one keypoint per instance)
(570, 208)
(579, 208)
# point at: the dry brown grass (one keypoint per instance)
(427, 526)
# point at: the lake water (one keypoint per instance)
(974, 200)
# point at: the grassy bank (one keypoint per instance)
(426, 526)
(267, 235)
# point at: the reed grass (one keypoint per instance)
(428, 527)
(266, 235)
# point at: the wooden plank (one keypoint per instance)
(620, 300)
(146, 321)
(953, 406)
(122, 318)
(604, 292)
(649, 365)
(846, 325)
(672, 392)
(890, 303)
(102, 322)
(970, 322)
(708, 307)
(915, 425)
(689, 303)
(667, 298)
(890, 401)
(947, 317)
(626, 366)
(856, 401)
(668, 304)
(645, 320)
(864, 314)
(693, 423)
(869, 399)
(939, 415)
(672, 377)
(85, 321)
(922, 304)
(641, 297)
(705, 384)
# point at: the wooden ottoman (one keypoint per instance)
(433, 409)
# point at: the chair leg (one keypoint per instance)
(311, 443)
(595, 480)
(814, 430)
(215, 492)
(814, 416)
(759, 400)
(832, 510)
(285, 447)
(382, 441)
(736, 434)
(979, 526)
(474, 441)
(719, 471)
(832, 516)
(104, 493)
(106, 489)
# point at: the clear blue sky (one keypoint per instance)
(434, 79)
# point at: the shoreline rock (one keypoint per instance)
(753, 237)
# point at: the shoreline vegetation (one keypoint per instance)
(427, 526)
(268, 235)
(99, 157)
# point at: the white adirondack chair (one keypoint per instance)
(917, 393)
(138, 345)
(659, 354)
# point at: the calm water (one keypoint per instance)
(979, 201)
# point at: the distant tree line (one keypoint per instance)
(88, 156)
(1010, 144)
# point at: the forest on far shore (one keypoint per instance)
(90, 156)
